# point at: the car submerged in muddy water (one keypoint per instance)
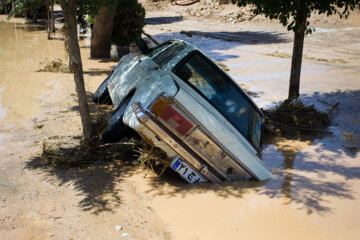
(182, 102)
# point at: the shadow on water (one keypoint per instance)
(346, 116)
(163, 20)
(31, 27)
(300, 167)
(213, 42)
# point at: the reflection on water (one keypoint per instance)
(22, 48)
(312, 172)
(289, 150)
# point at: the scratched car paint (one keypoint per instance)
(180, 101)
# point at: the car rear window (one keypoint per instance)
(210, 82)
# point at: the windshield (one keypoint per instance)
(224, 95)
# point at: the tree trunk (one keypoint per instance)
(48, 18)
(52, 17)
(69, 10)
(296, 61)
(101, 33)
(34, 19)
(3, 4)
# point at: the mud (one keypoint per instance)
(315, 190)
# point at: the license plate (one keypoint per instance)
(186, 172)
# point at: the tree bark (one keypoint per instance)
(69, 10)
(48, 19)
(299, 35)
(52, 17)
(34, 19)
(101, 33)
(4, 7)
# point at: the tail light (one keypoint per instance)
(164, 110)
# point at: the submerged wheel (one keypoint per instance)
(116, 128)
(101, 96)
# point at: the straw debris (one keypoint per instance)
(67, 153)
(153, 157)
(54, 65)
(293, 118)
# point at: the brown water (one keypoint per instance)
(314, 195)
(22, 49)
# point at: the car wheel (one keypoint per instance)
(116, 128)
(101, 96)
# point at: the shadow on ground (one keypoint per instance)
(213, 42)
(163, 20)
(94, 168)
(97, 72)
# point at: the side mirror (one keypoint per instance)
(141, 44)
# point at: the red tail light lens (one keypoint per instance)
(171, 116)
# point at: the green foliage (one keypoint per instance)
(293, 13)
(128, 23)
(4, 6)
(91, 7)
(24, 8)
(129, 17)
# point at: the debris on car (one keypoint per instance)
(182, 102)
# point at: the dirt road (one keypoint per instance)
(315, 190)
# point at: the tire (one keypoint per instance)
(101, 96)
(116, 128)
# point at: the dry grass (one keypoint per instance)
(293, 118)
(54, 65)
(151, 156)
(279, 54)
(316, 59)
(69, 153)
(72, 152)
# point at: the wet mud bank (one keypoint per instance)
(39, 202)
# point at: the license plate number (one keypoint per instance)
(186, 172)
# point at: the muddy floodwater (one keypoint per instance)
(22, 49)
(314, 192)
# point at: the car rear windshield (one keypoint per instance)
(208, 80)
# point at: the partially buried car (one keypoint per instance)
(179, 100)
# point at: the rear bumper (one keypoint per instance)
(172, 141)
